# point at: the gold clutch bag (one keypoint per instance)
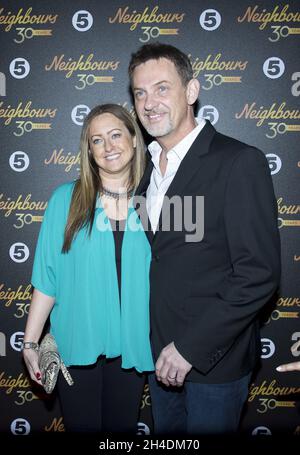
(50, 364)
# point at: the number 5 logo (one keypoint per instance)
(142, 429)
(82, 21)
(273, 67)
(16, 341)
(261, 430)
(20, 427)
(210, 20)
(19, 68)
(209, 112)
(19, 252)
(19, 161)
(78, 113)
(274, 163)
(267, 348)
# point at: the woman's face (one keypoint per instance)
(111, 145)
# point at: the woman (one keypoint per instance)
(99, 316)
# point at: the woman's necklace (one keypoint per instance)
(116, 195)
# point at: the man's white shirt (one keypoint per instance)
(159, 184)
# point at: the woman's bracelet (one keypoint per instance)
(30, 345)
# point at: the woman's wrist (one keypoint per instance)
(30, 345)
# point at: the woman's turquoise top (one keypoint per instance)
(87, 319)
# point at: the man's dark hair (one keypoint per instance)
(155, 51)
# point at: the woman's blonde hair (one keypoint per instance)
(87, 187)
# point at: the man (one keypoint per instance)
(205, 294)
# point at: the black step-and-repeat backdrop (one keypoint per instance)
(58, 60)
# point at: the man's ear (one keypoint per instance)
(192, 91)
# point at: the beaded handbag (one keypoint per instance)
(50, 364)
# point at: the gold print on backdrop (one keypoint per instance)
(21, 205)
(215, 63)
(285, 303)
(26, 126)
(287, 210)
(84, 65)
(58, 157)
(146, 399)
(10, 383)
(26, 18)
(275, 112)
(272, 390)
(264, 17)
(56, 426)
(10, 205)
(148, 16)
(19, 385)
(288, 302)
(26, 111)
(21, 297)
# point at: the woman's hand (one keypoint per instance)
(31, 360)
(40, 308)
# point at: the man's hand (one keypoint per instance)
(171, 368)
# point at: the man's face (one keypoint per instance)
(160, 99)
